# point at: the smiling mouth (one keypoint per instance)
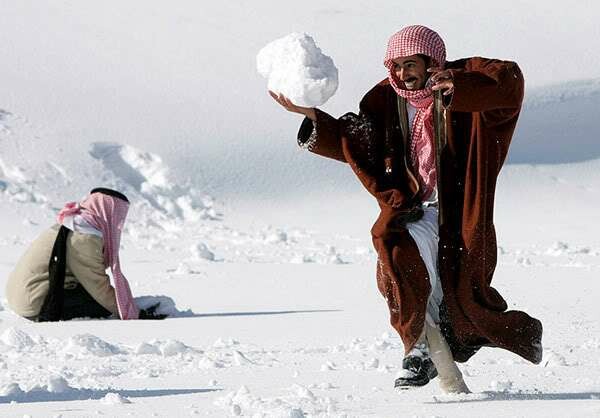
(410, 83)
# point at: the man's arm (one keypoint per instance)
(486, 84)
(322, 136)
(483, 85)
(86, 262)
(319, 131)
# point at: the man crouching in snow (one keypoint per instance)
(62, 275)
(431, 160)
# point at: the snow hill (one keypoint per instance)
(258, 251)
(559, 124)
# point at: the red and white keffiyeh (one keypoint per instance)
(413, 40)
(107, 214)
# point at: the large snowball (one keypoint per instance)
(296, 67)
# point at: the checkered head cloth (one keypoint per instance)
(413, 40)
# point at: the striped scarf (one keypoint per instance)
(413, 40)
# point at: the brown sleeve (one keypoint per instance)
(86, 261)
(322, 137)
(487, 84)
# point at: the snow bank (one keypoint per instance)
(296, 67)
(558, 124)
(563, 92)
(55, 389)
(17, 187)
(146, 173)
(55, 384)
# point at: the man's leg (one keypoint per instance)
(78, 303)
(417, 366)
(451, 380)
(432, 344)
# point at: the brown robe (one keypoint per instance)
(476, 126)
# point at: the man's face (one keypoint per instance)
(411, 71)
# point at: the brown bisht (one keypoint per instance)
(475, 126)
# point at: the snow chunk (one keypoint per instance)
(200, 251)
(303, 392)
(328, 366)
(173, 347)
(112, 398)
(296, 67)
(185, 269)
(501, 385)
(17, 339)
(562, 248)
(276, 237)
(225, 343)
(240, 359)
(558, 248)
(236, 410)
(302, 259)
(207, 363)
(372, 364)
(87, 344)
(11, 390)
(300, 403)
(553, 359)
(146, 348)
(592, 344)
(296, 413)
(334, 257)
(57, 384)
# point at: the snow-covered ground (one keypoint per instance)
(260, 252)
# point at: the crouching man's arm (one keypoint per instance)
(86, 261)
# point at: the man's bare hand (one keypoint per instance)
(441, 80)
(287, 104)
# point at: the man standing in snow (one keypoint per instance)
(428, 144)
(62, 275)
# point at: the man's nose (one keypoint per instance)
(402, 74)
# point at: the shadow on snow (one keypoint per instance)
(504, 396)
(41, 395)
(259, 313)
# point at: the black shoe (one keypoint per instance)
(416, 371)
